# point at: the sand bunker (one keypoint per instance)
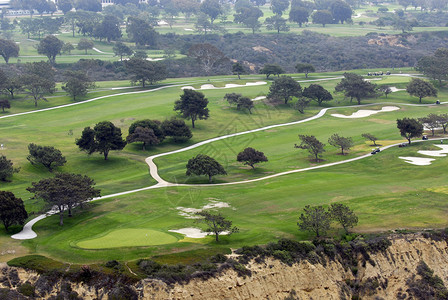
(227, 86)
(188, 29)
(194, 233)
(259, 98)
(190, 213)
(394, 89)
(436, 153)
(418, 161)
(366, 112)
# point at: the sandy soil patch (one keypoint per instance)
(418, 161)
(366, 112)
(227, 86)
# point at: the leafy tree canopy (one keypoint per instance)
(204, 165)
(12, 210)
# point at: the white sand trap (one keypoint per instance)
(259, 98)
(162, 22)
(366, 112)
(227, 86)
(394, 89)
(373, 79)
(188, 29)
(190, 213)
(418, 161)
(436, 153)
(194, 233)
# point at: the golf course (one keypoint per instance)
(384, 191)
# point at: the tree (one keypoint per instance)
(405, 3)
(88, 5)
(65, 191)
(143, 71)
(85, 44)
(121, 49)
(50, 46)
(141, 32)
(177, 129)
(103, 138)
(6, 168)
(67, 47)
(204, 165)
(402, 24)
(343, 215)
(238, 69)
(245, 103)
(420, 88)
(12, 210)
(431, 121)
(277, 23)
(299, 15)
(370, 137)
(443, 121)
(409, 128)
(340, 142)
(341, 11)
(108, 28)
(65, 6)
(249, 17)
(38, 80)
(192, 105)
(271, 69)
(385, 89)
(217, 224)
(77, 83)
(211, 8)
(13, 84)
(279, 6)
(305, 68)
(47, 156)
(317, 93)
(284, 88)
(232, 98)
(322, 17)
(435, 66)
(250, 157)
(207, 55)
(8, 49)
(203, 24)
(144, 135)
(354, 86)
(301, 104)
(315, 219)
(154, 125)
(4, 103)
(313, 145)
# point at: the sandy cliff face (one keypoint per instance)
(384, 276)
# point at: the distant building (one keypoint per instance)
(4, 3)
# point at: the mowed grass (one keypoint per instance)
(128, 238)
(385, 192)
(264, 211)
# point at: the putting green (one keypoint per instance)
(129, 238)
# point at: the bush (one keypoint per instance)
(27, 289)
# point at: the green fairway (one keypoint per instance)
(128, 238)
(384, 191)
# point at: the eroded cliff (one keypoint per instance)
(389, 274)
